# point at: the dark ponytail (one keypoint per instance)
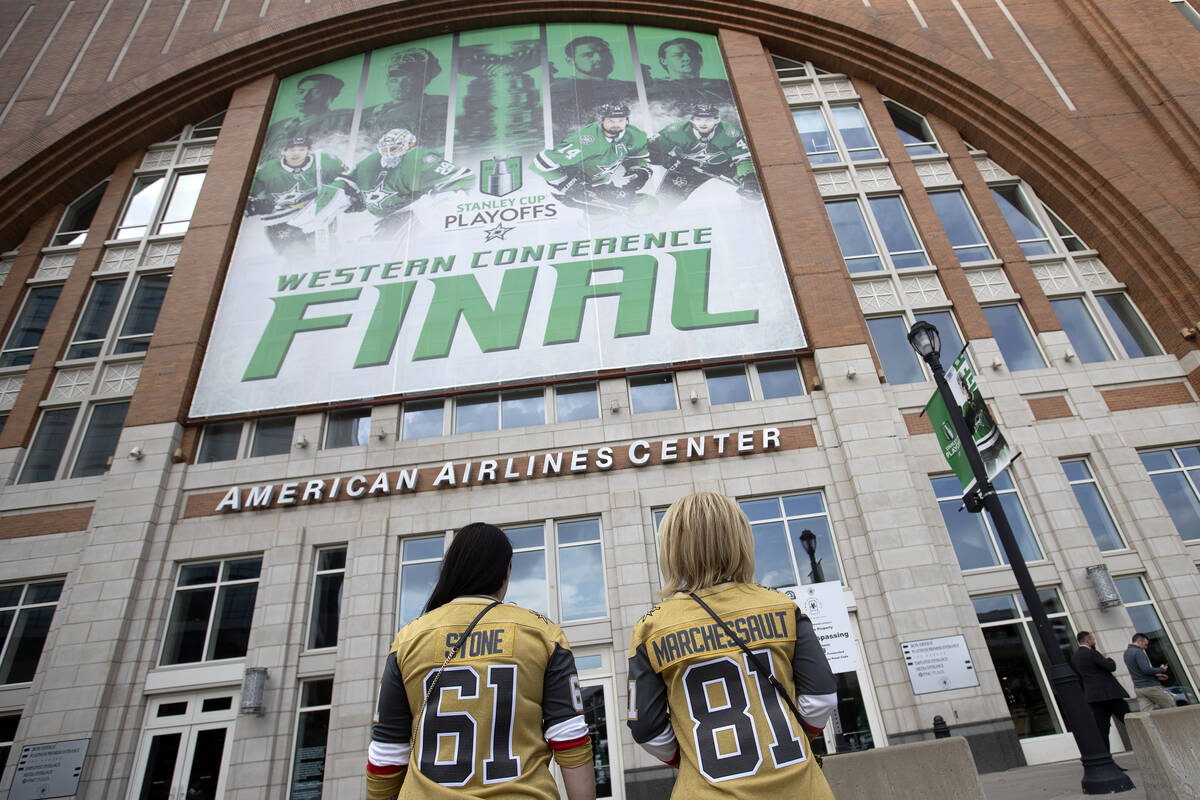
(476, 563)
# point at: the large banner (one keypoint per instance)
(492, 206)
(993, 448)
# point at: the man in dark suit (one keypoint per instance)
(1101, 690)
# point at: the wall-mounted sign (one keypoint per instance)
(939, 665)
(50, 769)
(826, 607)
(497, 205)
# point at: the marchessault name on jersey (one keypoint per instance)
(667, 648)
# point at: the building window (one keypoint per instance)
(208, 128)
(49, 444)
(575, 565)
(1013, 337)
(973, 536)
(73, 228)
(1175, 472)
(779, 379)
(211, 611)
(962, 230)
(142, 216)
(142, 315)
(220, 442)
(476, 414)
(273, 436)
(26, 611)
(88, 339)
(1144, 615)
(952, 342)
(100, 439)
(890, 337)
(899, 237)
(1081, 328)
(522, 408)
(348, 427)
(576, 402)
(328, 578)
(914, 131)
(727, 385)
(490, 412)
(1189, 12)
(814, 134)
(787, 68)
(1022, 220)
(1012, 642)
(1091, 502)
(1127, 324)
(858, 247)
(312, 739)
(780, 526)
(420, 561)
(856, 134)
(8, 734)
(1070, 240)
(423, 419)
(649, 393)
(31, 322)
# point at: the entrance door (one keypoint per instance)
(599, 711)
(856, 723)
(184, 750)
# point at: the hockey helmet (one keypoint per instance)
(612, 110)
(297, 141)
(705, 110)
(397, 142)
(415, 59)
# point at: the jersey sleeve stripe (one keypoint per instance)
(570, 730)
(383, 754)
(388, 769)
(816, 708)
(561, 744)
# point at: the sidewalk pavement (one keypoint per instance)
(1058, 781)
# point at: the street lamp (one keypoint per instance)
(1101, 775)
(808, 540)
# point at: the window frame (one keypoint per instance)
(1123, 542)
(301, 710)
(20, 323)
(551, 564)
(1186, 683)
(798, 567)
(79, 235)
(342, 415)
(1191, 479)
(314, 594)
(218, 585)
(86, 431)
(973, 218)
(1000, 558)
(1037, 346)
(6, 639)
(895, 108)
(638, 381)
(35, 440)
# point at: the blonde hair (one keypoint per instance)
(705, 539)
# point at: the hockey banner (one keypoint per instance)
(993, 448)
(497, 205)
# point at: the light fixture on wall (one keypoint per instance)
(615, 407)
(997, 363)
(1103, 585)
(1069, 355)
(136, 453)
(302, 442)
(693, 397)
(380, 433)
(851, 372)
(254, 688)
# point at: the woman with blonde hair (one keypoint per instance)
(714, 668)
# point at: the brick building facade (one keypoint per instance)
(1022, 174)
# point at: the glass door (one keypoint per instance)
(184, 751)
(604, 723)
(856, 723)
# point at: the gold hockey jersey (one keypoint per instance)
(696, 698)
(501, 706)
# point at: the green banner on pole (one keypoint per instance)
(993, 448)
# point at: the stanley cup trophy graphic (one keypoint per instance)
(502, 105)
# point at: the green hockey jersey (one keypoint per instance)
(722, 152)
(591, 156)
(389, 190)
(279, 189)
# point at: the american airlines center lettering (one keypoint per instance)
(501, 469)
(487, 207)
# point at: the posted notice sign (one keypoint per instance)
(939, 665)
(50, 769)
(825, 606)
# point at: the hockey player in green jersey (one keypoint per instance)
(699, 149)
(300, 195)
(601, 166)
(400, 173)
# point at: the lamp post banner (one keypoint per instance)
(993, 448)
(497, 205)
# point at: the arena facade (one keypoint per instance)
(292, 290)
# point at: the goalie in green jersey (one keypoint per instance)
(601, 166)
(300, 195)
(399, 174)
(699, 149)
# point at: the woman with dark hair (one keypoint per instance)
(478, 695)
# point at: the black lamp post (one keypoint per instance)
(1101, 775)
(808, 540)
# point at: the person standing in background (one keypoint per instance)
(1147, 678)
